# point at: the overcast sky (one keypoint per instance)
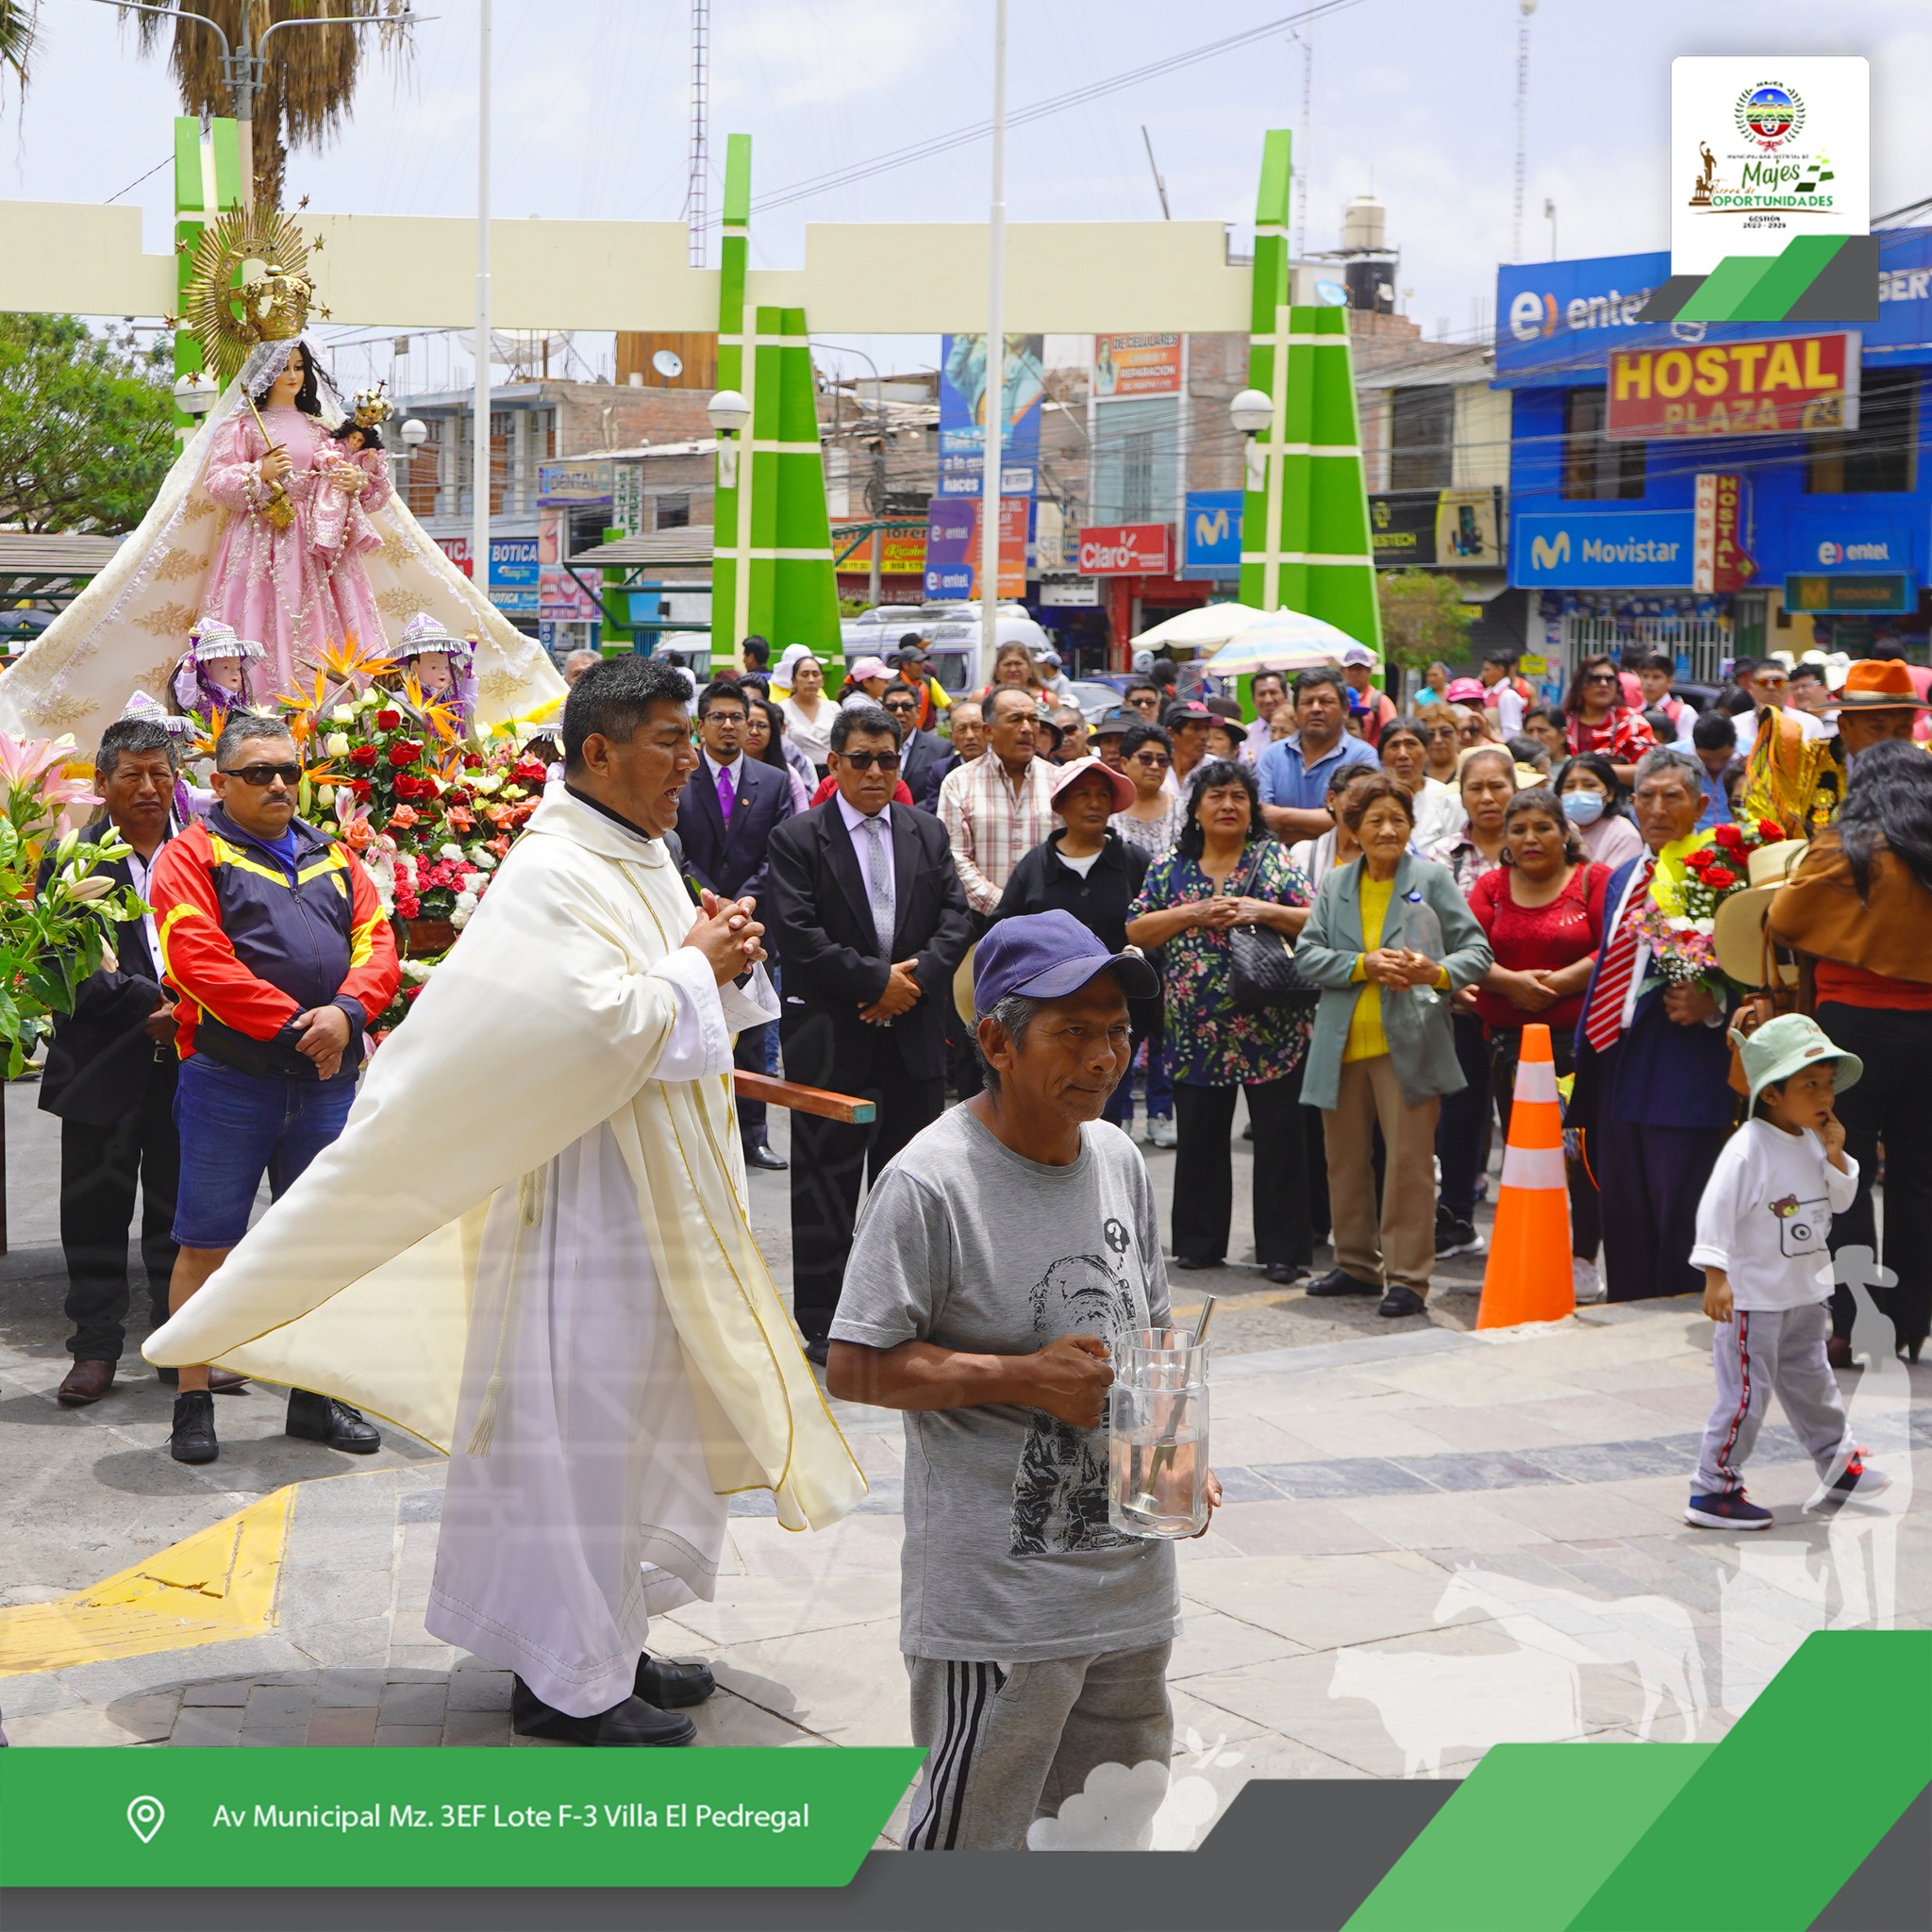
(1413, 100)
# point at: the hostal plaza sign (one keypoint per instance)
(1736, 389)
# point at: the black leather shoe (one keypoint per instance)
(758, 1155)
(318, 1419)
(817, 1351)
(193, 1438)
(633, 1722)
(1286, 1273)
(669, 1685)
(1401, 1301)
(1340, 1281)
(1188, 1263)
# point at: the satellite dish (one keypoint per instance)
(667, 364)
(1331, 295)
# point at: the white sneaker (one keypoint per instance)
(1586, 1283)
(1161, 1131)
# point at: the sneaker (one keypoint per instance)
(1585, 1281)
(1161, 1131)
(1854, 1480)
(1454, 1237)
(1726, 1511)
(192, 1438)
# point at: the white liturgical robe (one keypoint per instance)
(529, 1246)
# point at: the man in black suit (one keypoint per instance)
(922, 755)
(110, 1078)
(868, 914)
(727, 814)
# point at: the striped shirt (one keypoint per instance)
(993, 823)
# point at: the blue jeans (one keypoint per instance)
(234, 1128)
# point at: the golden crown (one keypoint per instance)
(371, 407)
(270, 302)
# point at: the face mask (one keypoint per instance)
(1583, 807)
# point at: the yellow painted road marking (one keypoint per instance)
(210, 1588)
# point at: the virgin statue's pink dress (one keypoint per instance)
(301, 590)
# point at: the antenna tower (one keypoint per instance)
(699, 169)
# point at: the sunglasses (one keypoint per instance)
(1601, 678)
(865, 760)
(1153, 761)
(263, 776)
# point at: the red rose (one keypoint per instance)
(1700, 858)
(363, 755)
(407, 905)
(360, 788)
(1773, 834)
(1719, 878)
(404, 751)
(386, 720)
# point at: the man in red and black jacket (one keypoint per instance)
(277, 946)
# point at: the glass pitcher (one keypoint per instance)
(1158, 1430)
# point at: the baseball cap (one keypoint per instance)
(1359, 654)
(1046, 955)
(1117, 723)
(869, 667)
(1465, 691)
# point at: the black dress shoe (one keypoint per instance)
(1188, 1263)
(193, 1438)
(1340, 1281)
(816, 1351)
(320, 1419)
(1286, 1273)
(758, 1155)
(633, 1722)
(669, 1685)
(1401, 1301)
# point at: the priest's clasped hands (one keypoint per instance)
(728, 935)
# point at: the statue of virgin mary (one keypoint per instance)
(245, 531)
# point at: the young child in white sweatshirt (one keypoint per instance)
(1763, 1241)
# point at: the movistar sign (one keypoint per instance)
(1643, 549)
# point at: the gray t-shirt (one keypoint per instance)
(1009, 1557)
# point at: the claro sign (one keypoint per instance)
(1137, 550)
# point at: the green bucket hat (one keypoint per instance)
(1782, 1046)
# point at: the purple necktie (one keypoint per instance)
(726, 796)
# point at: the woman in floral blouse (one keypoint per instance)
(1225, 870)
(1599, 719)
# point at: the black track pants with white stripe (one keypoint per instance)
(1008, 1744)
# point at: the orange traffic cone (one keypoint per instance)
(1528, 1277)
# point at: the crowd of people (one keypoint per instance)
(1336, 912)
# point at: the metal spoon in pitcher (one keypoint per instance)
(1146, 1503)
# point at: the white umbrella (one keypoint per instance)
(1283, 640)
(1205, 627)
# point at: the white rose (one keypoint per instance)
(486, 782)
(1706, 926)
(336, 744)
(483, 858)
(343, 714)
(459, 917)
(370, 700)
(466, 902)
(449, 851)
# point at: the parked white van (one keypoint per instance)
(952, 636)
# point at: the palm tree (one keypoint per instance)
(19, 29)
(309, 77)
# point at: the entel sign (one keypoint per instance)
(1127, 550)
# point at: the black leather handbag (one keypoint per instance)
(1262, 973)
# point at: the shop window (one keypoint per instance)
(1137, 476)
(1594, 468)
(674, 512)
(1882, 452)
(421, 470)
(1422, 437)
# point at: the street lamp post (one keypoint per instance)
(729, 412)
(1251, 412)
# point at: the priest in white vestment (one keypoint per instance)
(529, 1247)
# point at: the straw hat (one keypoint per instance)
(1738, 931)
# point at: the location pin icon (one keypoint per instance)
(146, 1816)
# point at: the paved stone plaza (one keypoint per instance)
(1396, 1492)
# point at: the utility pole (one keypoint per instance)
(993, 404)
(698, 162)
(479, 455)
(1524, 9)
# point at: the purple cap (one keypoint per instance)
(1045, 956)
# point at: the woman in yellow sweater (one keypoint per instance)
(1389, 939)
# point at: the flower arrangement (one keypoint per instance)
(1693, 877)
(53, 933)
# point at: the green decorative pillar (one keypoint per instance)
(1304, 535)
(772, 563)
(208, 182)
